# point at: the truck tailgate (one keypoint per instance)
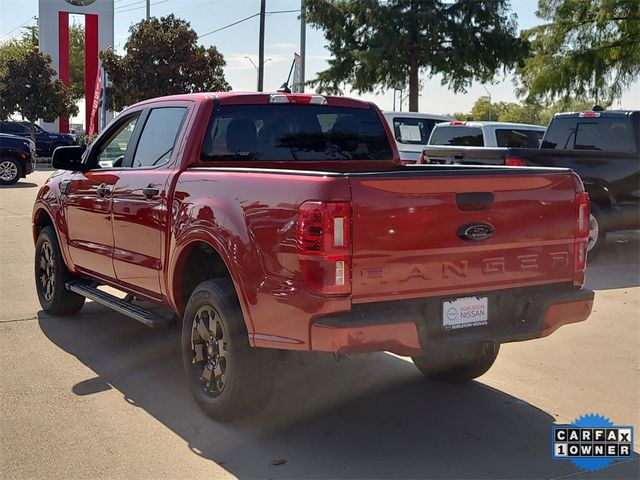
(411, 234)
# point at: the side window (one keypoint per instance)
(413, 131)
(113, 150)
(158, 136)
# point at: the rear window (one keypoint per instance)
(613, 134)
(458, 135)
(518, 138)
(288, 132)
(413, 131)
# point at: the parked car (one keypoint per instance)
(46, 142)
(286, 221)
(411, 131)
(487, 134)
(603, 147)
(17, 158)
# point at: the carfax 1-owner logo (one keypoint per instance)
(592, 442)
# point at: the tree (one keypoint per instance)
(76, 55)
(584, 48)
(375, 44)
(485, 110)
(531, 112)
(27, 87)
(162, 58)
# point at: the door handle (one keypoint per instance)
(103, 190)
(151, 191)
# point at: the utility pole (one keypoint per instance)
(303, 43)
(263, 8)
(148, 9)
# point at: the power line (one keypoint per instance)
(142, 6)
(129, 4)
(229, 25)
(21, 25)
(244, 20)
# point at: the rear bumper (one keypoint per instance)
(29, 166)
(408, 327)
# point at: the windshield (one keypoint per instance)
(295, 132)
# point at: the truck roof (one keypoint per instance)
(596, 113)
(473, 123)
(238, 98)
(432, 116)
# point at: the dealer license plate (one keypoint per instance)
(465, 312)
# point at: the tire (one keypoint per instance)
(227, 377)
(597, 232)
(51, 275)
(10, 171)
(457, 364)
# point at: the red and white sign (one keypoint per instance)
(95, 104)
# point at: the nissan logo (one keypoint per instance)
(80, 3)
(475, 232)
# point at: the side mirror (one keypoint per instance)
(68, 158)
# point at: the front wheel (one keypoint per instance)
(10, 171)
(227, 377)
(457, 363)
(52, 275)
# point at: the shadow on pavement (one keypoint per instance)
(370, 417)
(618, 265)
(20, 184)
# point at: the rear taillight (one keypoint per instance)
(421, 159)
(324, 245)
(514, 162)
(582, 230)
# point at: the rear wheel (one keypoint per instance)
(52, 275)
(457, 363)
(227, 377)
(10, 171)
(597, 233)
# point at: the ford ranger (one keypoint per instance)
(286, 221)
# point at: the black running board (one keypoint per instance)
(148, 317)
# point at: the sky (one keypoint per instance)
(282, 36)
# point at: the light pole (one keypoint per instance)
(257, 68)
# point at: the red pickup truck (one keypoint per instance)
(286, 221)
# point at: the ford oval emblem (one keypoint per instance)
(475, 232)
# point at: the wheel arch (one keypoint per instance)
(599, 194)
(199, 259)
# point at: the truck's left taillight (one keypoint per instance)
(582, 230)
(324, 246)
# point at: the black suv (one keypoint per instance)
(46, 142)
(17, 158)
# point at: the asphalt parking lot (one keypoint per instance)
(97, 395)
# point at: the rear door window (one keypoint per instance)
(458, 135)
(413, 131)
(285, 132)
(518, 138)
